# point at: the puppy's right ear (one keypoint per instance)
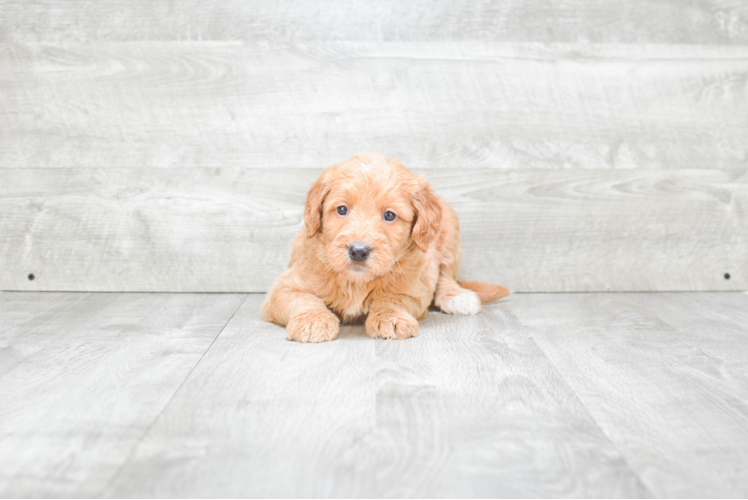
(313, 207)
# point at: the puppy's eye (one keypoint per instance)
(342, 210)
(389, 216)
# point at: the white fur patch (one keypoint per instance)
(365, 167)
(465, 303)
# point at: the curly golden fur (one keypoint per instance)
(378, 243)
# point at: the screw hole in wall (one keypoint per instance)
(727, 276)
(31, 277)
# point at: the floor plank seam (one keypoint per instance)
(561, 377)
(168, 403)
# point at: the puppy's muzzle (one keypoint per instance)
(359, 252)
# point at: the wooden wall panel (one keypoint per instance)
(222, 230)
(583, 21)
(433, 105)
(167, 145)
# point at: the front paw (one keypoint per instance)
(391, 324)
(313, 326)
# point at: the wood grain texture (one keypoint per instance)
(663, 375)
(262, 417)
(30, 321)
(432, 104)
(83, 377)
(230, 230)
(469, 408)
(552, 395)
(598, 21)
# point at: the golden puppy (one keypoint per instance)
(376, 242)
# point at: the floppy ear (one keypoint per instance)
(313, 207)
(428, 216)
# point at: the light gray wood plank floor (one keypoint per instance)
(561, 395)
(83, 377)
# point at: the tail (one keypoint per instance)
(486, 292)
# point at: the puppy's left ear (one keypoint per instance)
(313, 207)
(428, 216)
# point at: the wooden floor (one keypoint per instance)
(558, 395)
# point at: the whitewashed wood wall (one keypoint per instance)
(153, 145)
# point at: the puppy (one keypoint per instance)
(376, 242)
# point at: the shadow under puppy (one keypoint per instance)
(376, 242)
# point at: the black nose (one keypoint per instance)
(359, 252)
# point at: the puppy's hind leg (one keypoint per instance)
(451, 298)
(455, 297)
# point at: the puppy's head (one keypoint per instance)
(369, 211)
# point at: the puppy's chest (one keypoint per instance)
(350, 305)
